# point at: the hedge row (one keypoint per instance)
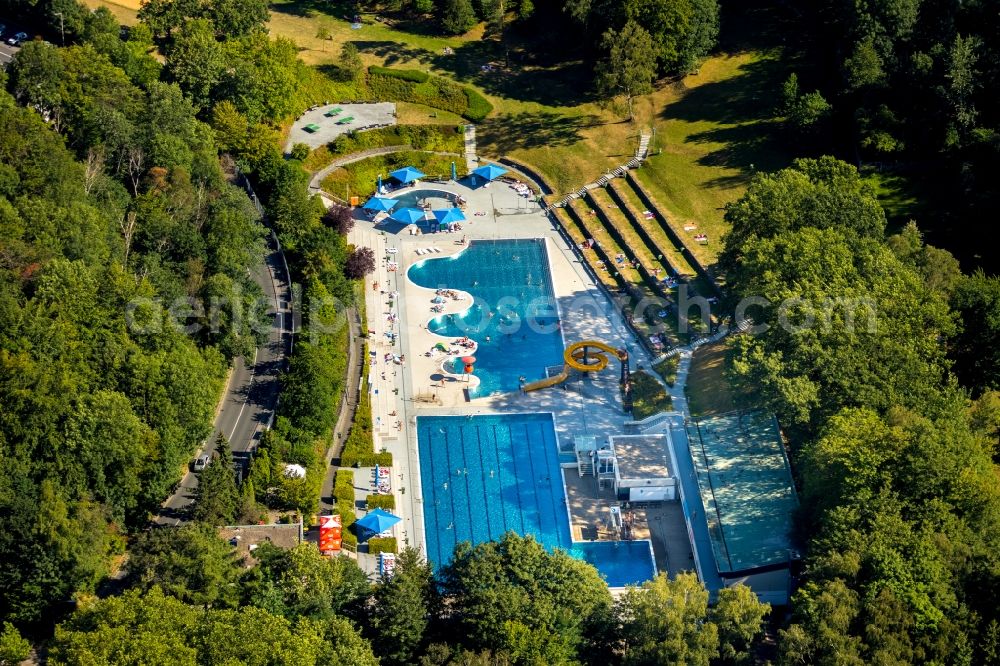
(378, 545)
(387, 502)
(359, 449)
(414, 75)
(479, 107)
(343, 485)
(360, 177)
(347, 518)
(441, 138)
(401, 85)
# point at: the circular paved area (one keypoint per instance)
(364, 116)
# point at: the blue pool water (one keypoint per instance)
(436, 198)
(514, 319)
(485, 475)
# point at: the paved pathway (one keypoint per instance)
(471, 160)
(318, 177)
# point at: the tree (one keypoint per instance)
(514, 596)
(848, 323)
(360, 263)
(976, 347)
(939, 268)
(824, 193)
(236, 18)
(217, 497)
(349, 61)
(301, 582)
(191, 563)
(402, 604)
(36, 73)
(196, 62)
(739, 615)
(340, 218)
(153, 628)
(667, 622)
(630, 67)
(456, 16)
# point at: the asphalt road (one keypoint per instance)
(247, 408)
(7, 52)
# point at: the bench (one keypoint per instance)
(344, 121)
(332, 112)
(311, 128)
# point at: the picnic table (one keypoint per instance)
(344, 121)
(311, 127)
(332, 112)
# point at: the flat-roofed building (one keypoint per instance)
(642, 469)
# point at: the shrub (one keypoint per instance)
(300, 151)
(401, 85)
(648, 396)
(360, 263)
(343, 485)
(381, 502)
(667, 368)
(414, 75)
(478, 106)
(360, 177)
(346, 510)
(378, 545)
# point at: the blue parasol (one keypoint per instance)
(407, 174)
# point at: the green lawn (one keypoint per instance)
(708, 389)
(648, 395)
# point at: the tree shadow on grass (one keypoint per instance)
(755, 146)
(515, 74)
(342, 9)
(393, 52)
(750, 95)
(742, 108)
(505, 134)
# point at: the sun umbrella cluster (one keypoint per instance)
(447, 217)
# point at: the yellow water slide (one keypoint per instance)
(580, 356)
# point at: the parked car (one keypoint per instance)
(200, 463)
(18, 39)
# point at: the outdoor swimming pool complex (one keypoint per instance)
(514, 318)
(483, 476)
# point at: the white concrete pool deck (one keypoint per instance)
(591, 406)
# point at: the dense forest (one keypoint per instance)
(119, 207)
(125, 291)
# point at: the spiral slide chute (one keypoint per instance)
(585, 356)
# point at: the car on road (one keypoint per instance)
(200, 463)
(17, 39)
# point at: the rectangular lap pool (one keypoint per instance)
(484, 475)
